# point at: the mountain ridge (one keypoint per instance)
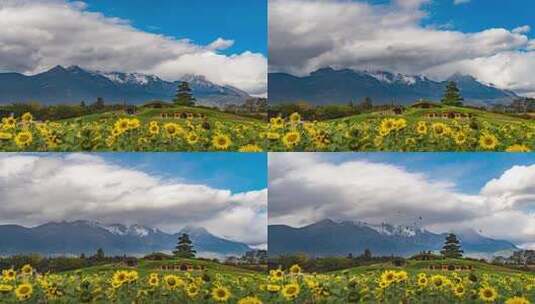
(330, 238)
(74, 84)
(327, 85)
(76, 237)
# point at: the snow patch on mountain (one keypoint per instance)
(391, 230)
(128, 78)
(390, 78)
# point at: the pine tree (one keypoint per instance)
(184, 247)
(452, 247)
(452, 95)
(184, 96)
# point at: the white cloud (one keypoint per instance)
(37, 35)
(306, 188)
(35, 189)
(522, 29)
(358, 35)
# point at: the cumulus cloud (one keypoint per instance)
(37, 35)
(306, 188)
(36, 189)
(522, 29)
(359, 35)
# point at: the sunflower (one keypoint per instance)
(291, 139)
(24, 291)
(438, 281)
(387, 125)
(439, 128)
(277, 122)
(273, 288)
(133, 123)
(488, 294)
(421, 128)
(459, 290)
(132, 276)
(460, 138)
(220, 294)
(400, 124)
(517, 300)
(290, 291)
(488, 141)
(120, 277)
(192, 290)
(9, 122)
(154, 128)
(295, 118)
(277, 274)
(221, 142)
(5, 288)
(26, 270)
(388, 276)
(410, 141)
(9, 274)
(295, 269)
(27, 117)
(172, 129)
(154, 281)
(422, 281)
(23, 139)
(250, 300)
(192, 138)
(250, 148)
(401, 276)
(518, 148)
(172, 282)
(273, 135)
(122, 124)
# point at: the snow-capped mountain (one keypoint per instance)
(329, 238)
(328, 85)
(75, 84)
(74, 238)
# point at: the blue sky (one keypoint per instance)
(478, 15)
(469, 171)
(201, 21)
(238, 172)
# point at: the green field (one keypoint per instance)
(200, 129)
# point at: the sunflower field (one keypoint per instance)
(398, 285)
(130, 285)
(402, 133)
(112, 132)
(413, 131)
